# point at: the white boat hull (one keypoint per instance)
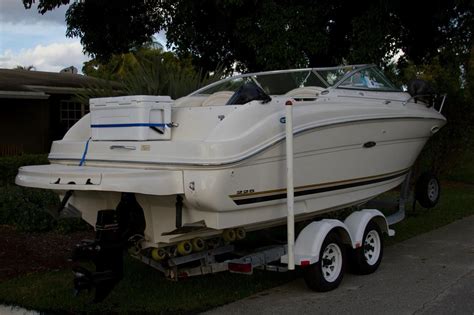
(228, 161)
(252, 193)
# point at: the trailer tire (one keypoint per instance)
(327, 273)
(367, 258)
(427, 190)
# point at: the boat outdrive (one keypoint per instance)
(116, 231)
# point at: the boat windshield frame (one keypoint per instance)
(391, 88)
(351, 70)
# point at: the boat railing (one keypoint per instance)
(442, 98)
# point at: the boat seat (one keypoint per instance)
(189, 101)
(305, 92)
(217, 98)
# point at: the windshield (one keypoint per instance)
(334, 75)
(368, 79)
(287, 82)
(272, 83)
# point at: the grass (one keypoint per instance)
(144, 290)
(457, 202)
(464, 170)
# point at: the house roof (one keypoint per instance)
(40, 85)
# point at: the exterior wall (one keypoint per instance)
(30, 125)
(24, 126)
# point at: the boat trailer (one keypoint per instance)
(319, 249)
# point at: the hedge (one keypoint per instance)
(9, 165)
(30, 209)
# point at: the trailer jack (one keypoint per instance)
(114, 229)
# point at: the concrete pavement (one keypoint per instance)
(429, 274)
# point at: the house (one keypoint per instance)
(37, 108)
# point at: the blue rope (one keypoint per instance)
(83, 159)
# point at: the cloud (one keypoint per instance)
(52, 57)
(18, 36)
(13, 11)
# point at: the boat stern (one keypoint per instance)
(65, 177)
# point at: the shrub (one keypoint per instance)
(27, 209)
(30, 209)
(442, 152)
(33, 210)
(69, 225)
(9, 165)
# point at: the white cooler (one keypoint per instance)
(137, 117)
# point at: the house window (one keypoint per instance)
(70, 112)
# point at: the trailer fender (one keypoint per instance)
(357, 222)
(310, 239)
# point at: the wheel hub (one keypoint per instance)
(433, 189)
(331, 263)
(372, 247)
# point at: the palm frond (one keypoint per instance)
(150, 74)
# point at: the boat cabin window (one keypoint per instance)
(368, 79)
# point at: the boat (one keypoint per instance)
(215, 159)
(170, 178)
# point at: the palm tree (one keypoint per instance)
(147, 71)
(26, 68)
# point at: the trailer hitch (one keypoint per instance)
(114, 229)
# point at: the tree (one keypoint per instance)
(25, 68)
(111, 27)
(258, 35)
(108, 27)
(268, 34)
(145, 71)
(45, 5)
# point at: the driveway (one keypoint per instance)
(429, 274)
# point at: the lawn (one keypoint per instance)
(144, 290)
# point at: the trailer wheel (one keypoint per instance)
(327, 273)
(427, 190)
(367, 258)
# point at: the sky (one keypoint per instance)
(29, 38)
